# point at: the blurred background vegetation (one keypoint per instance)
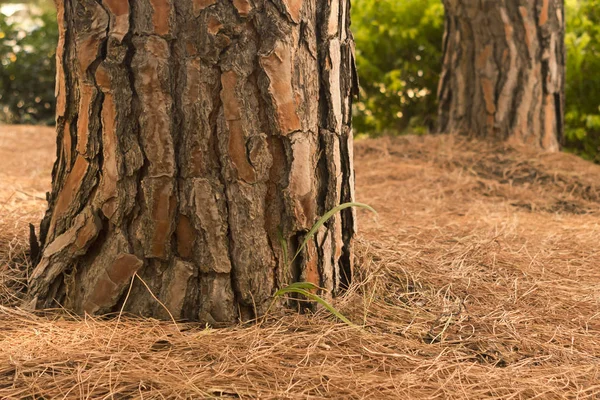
(28, 37)
(399, 51)
(399, 58)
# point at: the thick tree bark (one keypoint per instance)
(194, 138)
(503, 72)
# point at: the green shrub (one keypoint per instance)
(582, 117)
(399, 59)
(27, 70)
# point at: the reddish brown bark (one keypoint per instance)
(193, 135)
(503, 73)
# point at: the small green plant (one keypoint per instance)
(305, 288)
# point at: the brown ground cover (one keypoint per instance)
(480, 278)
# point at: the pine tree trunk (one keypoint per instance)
(195, 137)
(503, 71)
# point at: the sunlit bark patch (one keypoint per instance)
(67, 144)
(237, 138)
(214, 25)
(301, 182)
(186, 236)
(106, 196)
(88, 233)
(487, 86)
(508, 90)
(102, 295)
(209, 209)
(86, 227)
(61, 89)
(278, 67)
(195, 164)
(156, 227)
(325, 269)
(90, 40)
(88, 95)
(294, 7)
(71, 187)
(529, 26)
(199, 5)
(543, 19)
(333, 69)
(119, 21)
(98, 287)
(150, 65)
(221, 300)
(311, 265)
(549, 141)
(334, 17)
(243, 7)
(161, 16)
(123, 268)
(176, 284)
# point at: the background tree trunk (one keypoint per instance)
(503, 72)
(194, 137)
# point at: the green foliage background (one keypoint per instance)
(27, 69)
(399, 59)
(399, 51)
(582, 117)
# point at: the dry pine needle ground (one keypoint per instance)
(479, 279)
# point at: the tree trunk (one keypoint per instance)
(503, 72)
(195, 138)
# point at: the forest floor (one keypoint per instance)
(480, 278)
